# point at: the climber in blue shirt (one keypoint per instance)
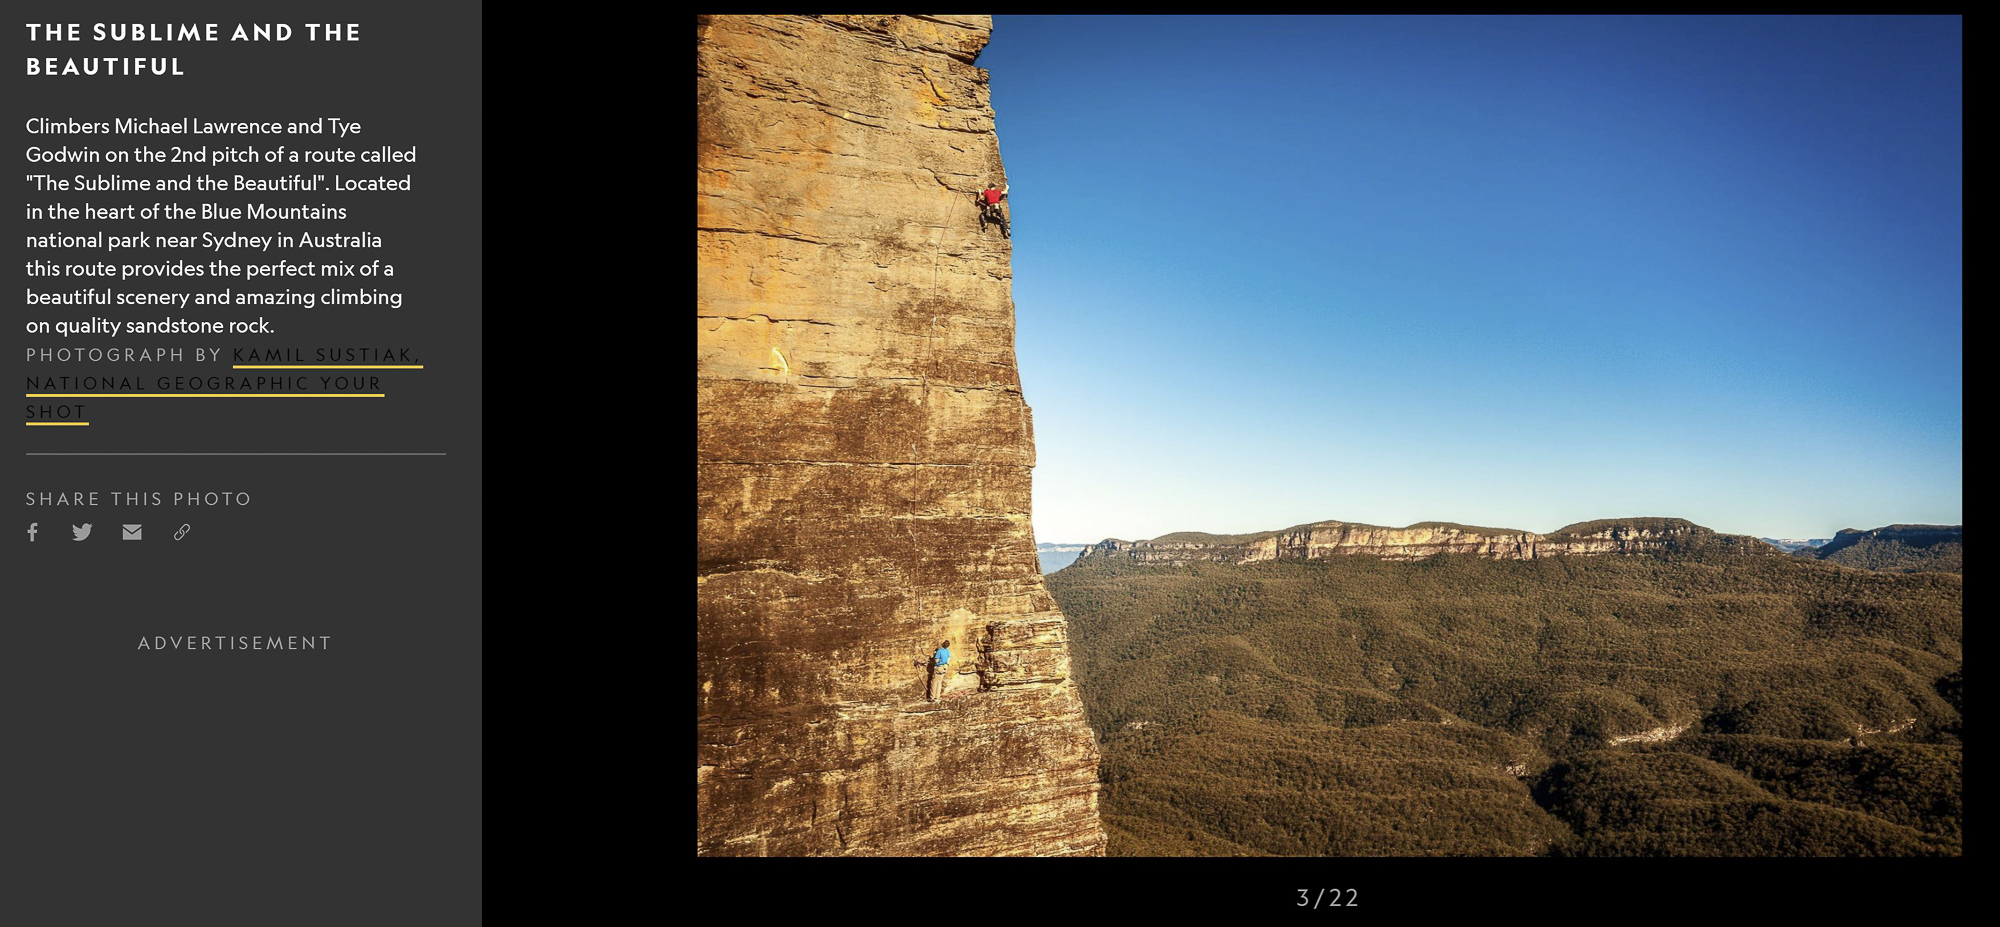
(939, 661)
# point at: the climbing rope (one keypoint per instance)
(923, 401)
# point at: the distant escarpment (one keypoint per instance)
(1693, 702)
(1798, 546)
(1427, 539)
(862, 462)
(1899, 548)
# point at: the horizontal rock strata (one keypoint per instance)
(1334, 538)
(863, 457)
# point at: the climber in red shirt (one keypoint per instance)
(990, 210)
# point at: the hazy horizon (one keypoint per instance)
(1507, 271)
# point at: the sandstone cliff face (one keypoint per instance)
(862, 461)
(1334, 538)
(1624, 537)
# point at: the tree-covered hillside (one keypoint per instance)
(1899, 548)
(1705, 702)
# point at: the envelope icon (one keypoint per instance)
(132, 532)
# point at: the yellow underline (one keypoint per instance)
(53, 424)
(206, 395)
(326, 367)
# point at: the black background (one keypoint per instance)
(250, 787)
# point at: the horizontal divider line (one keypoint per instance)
(207, 395)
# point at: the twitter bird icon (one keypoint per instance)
(82, 532)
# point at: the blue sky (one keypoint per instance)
(1508, 271)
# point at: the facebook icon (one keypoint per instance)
(31, 531)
